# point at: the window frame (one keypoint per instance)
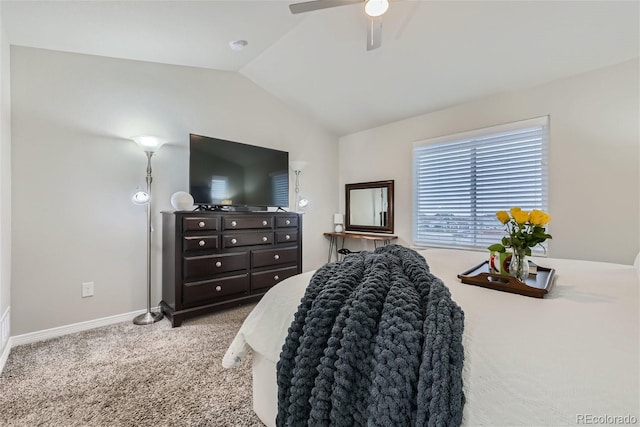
(474, 137)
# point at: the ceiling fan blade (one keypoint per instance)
(309, 6)
(374, 33)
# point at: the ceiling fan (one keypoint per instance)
(373, 8)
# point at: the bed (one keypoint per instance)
(568, 359)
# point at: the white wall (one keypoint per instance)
(74, 171)
(594, 188)
(5, 192)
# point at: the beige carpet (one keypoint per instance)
(128, 375)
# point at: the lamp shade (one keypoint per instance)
(297, 165)
(141, 197)
(338, 218)
(375, 8)
(149, 143)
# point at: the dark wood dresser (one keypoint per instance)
(216, 260)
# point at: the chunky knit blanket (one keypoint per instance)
(376, 341)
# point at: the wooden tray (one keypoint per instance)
(536, 286)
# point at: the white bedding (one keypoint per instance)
(570, 358)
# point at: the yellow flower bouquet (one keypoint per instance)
(525, 230)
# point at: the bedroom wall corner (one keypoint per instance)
(73, 115)
(5, 194)
(594, 157)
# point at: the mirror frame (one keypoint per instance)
(369, 228)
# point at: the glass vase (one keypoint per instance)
(519, 266)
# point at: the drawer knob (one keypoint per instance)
(201, 224)
(233, 223)
(264, 223)
(276, 277)
(218, 264)
(288, 222)
(234, 241)
(202, 243)
(264, 238)
(287, 237)
(218, 288)
(276, 256)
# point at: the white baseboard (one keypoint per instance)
(5, 355)
(75, 327)
(5, 340)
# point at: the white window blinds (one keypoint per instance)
(461, 181)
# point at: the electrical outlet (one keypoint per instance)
(87, 289)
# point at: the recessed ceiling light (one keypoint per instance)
(238, 44)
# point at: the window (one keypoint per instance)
(461, 181)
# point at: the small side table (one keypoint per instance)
(333, 240)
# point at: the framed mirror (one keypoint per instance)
(369, 207)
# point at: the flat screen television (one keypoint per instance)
(225, 174)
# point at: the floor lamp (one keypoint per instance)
(149, 145)
(297, 166)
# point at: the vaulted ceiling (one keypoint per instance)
(434, 54)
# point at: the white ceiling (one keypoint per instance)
(434, 54)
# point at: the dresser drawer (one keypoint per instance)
(290, 236)
(203, 266)
(206, 290)
(263, 258)
(248, 239)
(266, 279)
(246, 222)
(200, 223)
(200, 243)
(287, 221)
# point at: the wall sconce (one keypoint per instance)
(297, 166)
(149, 145)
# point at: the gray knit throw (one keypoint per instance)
(376, 341)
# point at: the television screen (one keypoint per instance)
(227, 173)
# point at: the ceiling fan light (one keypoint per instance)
(375, 8)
